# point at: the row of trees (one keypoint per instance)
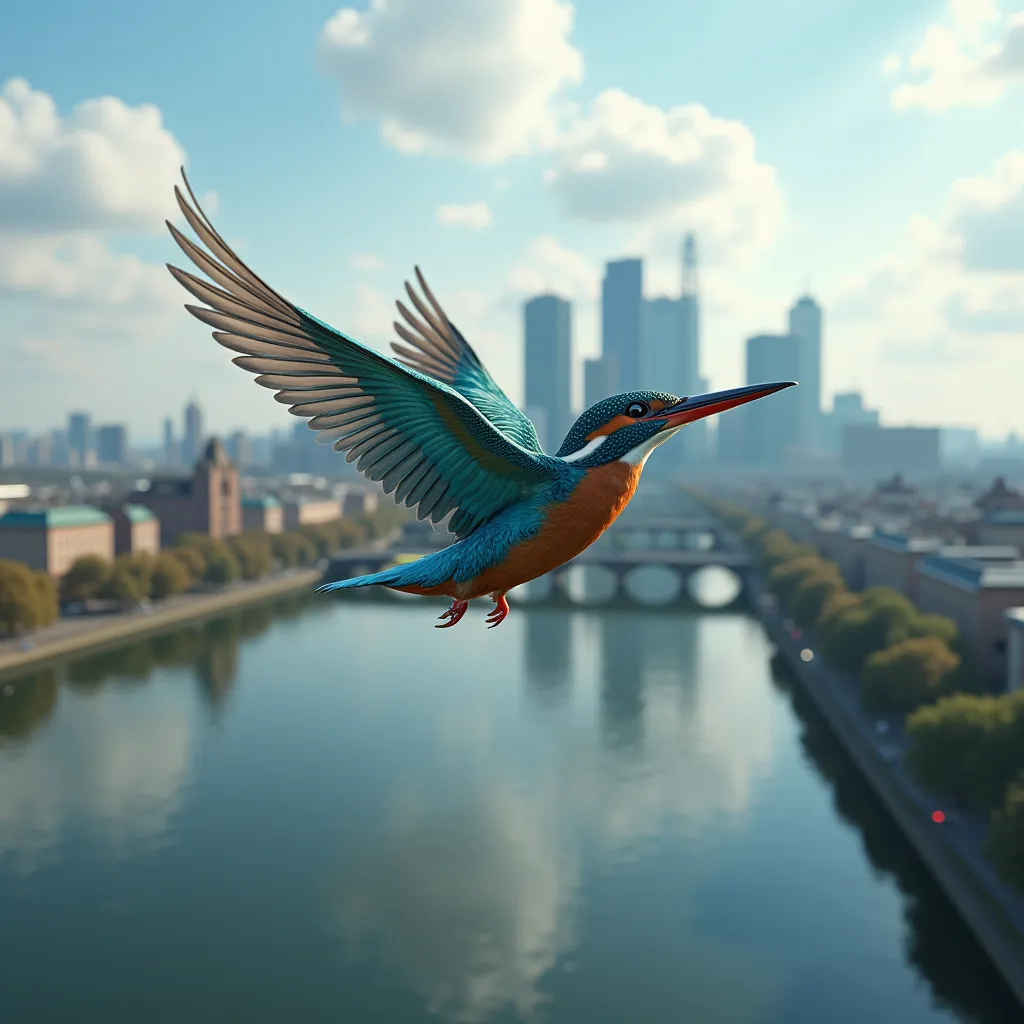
(30, 600)
(967, 746)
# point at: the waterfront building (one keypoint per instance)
(209, 501)
(262, 513)
(51, 539)
(1015, 649)
(136, 529)
(310, 511)
(889, 560)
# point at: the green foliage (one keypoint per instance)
(785, 577)
(814, 593)
(292, 549)
(194, 561)
(881, 618)
(969, 747)
(221, 564)
(84, 579)
(1006, 838)
(170, 575)
(253, 553)
(21, 607)
(122, 584)
(47, 602)
(908, 674)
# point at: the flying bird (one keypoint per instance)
(437, 432)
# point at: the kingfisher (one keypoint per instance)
(436, 431)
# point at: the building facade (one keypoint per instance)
(310, 512)
(621, 320)
(136, 529)
(773, 425)
(208, 502)
(265, 514)
(805, 325)
(547, 333)
(112, 444)
(52, 539)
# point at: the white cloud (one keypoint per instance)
(669, 170)
(103, 166)
(479, 79)
(365, 261)
(475, 215)
(968, 59)
(942, 318)
(548, 266)
(891, 64)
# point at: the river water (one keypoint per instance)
(327, 810)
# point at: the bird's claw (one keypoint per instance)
(497, 614)
(453, 614)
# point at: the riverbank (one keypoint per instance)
(952, 850)
(72, 635)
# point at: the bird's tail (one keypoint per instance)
(428, 571)
(385, 578)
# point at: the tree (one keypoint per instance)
(121, 584)
(1006, 837)
(833, 610)
(84, 579)
(968, 746)
(253, 552)
(194, 561)
(221, 564)
(785, 577)
(48, 605)
(908, 674)
(170, 576)
(813, 594)
(20, 607)
(291, 549)
(879, 620)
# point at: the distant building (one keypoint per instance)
(358, 501)
(112, 444)
(80, 440)
(52, 539)
(1001, 528)
(170, 445)
(547, 331)
(192, 440)
(207, 502)
(894, 497)
(847, 410)
(890, 449)
(299, 453)
(621, 315)
(1015, 649)
(136, 529)
(889, 561)
(40, 452)
(805, 326)
(264, 513)
(959, 447)
(6, 451)
(1000, 497)
(310, 512)
(600, 379)
(239, 446)
(773, 424)
(976, 594)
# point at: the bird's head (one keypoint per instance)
(627, 428)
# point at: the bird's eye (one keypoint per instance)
(638, 409)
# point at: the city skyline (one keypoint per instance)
(886, 168)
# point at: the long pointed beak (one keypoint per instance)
(691, 409)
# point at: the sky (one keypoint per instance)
(868, 150)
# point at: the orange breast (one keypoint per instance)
(570, 528)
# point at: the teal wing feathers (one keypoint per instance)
(427, 445)
(440, 351)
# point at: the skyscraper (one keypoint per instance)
(805, 326)
(79, 439)
(773, 424)
(112, 444)
(600, 379)
(192, 440)
(547, 326)
(621, 316)
(170, 444)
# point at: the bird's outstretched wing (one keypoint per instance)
(440, 351)
(427, 445)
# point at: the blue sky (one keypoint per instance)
(874, 149)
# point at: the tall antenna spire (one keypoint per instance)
(690, 264)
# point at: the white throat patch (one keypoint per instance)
(638, 456)
(587, 449)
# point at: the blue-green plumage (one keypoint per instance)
(433, 427)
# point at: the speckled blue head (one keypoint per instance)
(630, 426)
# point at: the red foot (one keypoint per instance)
(457, 610)
(498, 612)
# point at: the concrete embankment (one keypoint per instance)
(990, 911)
(71, 636)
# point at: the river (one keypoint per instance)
(326, 810)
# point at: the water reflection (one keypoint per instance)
(937, 942)
(547, 653)
(26, 703)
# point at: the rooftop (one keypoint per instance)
(1005, 517)
(57, 517)
(264, 501)
(972, 575)
(138, 513)
(901, 543)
